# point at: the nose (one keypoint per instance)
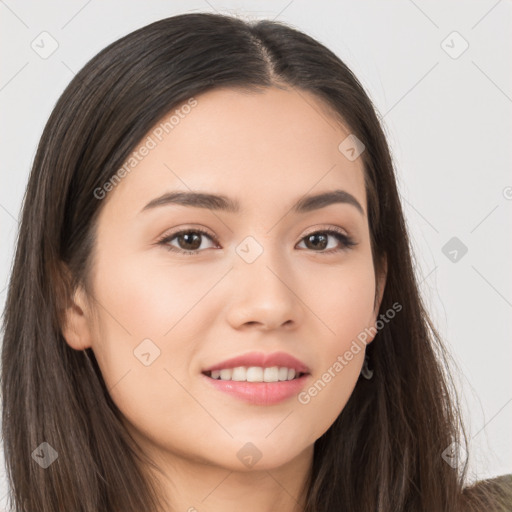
(264, 293)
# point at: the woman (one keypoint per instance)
(213, 302)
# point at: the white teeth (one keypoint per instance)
(254, 374)
(238, 373)
(225, 375)
(271, 374)
(283, 373)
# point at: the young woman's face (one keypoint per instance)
(259, 280)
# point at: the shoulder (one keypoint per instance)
(495, 493)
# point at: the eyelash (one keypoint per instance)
(346, 241)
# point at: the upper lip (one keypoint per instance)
(263, 360)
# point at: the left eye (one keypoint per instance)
(190, 241)
(322, 236)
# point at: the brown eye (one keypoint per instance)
(319, 241)
(189, 241)
(316, 241)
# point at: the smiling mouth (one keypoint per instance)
(258, 385)
(255, 374)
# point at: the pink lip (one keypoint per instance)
(260, 393)
(263, 360)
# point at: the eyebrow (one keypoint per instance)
(223, 203)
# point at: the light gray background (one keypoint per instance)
(448, 123)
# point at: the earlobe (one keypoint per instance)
(76, 322)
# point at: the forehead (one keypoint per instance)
(268, 146)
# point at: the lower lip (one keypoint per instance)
(260, 393)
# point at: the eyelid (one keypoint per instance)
(346, 241)
(167, 236)
(186, 229)
(326, 227)
(202, 229)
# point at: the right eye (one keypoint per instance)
(190, 239)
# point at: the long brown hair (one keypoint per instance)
(385, 450)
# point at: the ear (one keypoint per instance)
(380, 286)
(76, 327)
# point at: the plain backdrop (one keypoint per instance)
(438, 73)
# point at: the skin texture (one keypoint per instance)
(266, 150)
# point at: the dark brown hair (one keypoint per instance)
(384, 451)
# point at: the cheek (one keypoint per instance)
(137, 305)
(151, 298)
(145, 342)
(169, 306)
(342, 298)
(343, 301)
